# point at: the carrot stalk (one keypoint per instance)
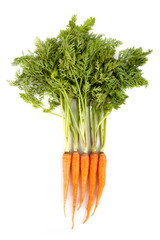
(75, 176)
(92, 181)
(84, 176)
(66, 173)
(102, 162)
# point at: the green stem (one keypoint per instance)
(94, 139)
(77, 115)
(100, 127)
(77, 134)
(67, 101)
(72, 114)
(55, 114)
(100, 122)
(62, 110)
(74, 132)
(44, 109)
(85, 126)
(102, 146)
(66, 124)
(66, 117)
(84, 111)
(82, 137)
(80, 117)
(90, 129)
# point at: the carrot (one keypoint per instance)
(66, 172)
(84, 176)
(92, 181)
(75, 176)
(101, 177)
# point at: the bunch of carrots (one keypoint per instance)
(78, 72)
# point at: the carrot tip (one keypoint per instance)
(93, 212)
(86, 218)
(73, 222)
(79, 207)
(64, 211)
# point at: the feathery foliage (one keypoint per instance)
(80, 65)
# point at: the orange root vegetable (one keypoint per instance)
(84, 176)
(75, 176)
(92, 181)
(66, 173)
(102, 163)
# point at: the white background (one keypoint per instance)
(32, 143)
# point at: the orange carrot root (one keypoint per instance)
(75, 176)
(84, 176)
(92, 181)
(101, 177)
(66, 172)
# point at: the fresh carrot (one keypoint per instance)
(66, 173)
(65, 71)
(84, 176)
(92, 181)
(102, 163)
(75, 176)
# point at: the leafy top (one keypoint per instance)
(81, 64)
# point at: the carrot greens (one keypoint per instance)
(78, 71)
